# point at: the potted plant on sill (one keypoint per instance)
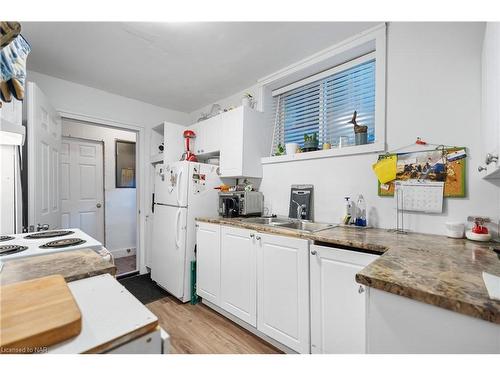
(311, 142)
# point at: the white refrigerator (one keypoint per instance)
(183, 191)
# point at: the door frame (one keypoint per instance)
(63, 137)
(141, 177)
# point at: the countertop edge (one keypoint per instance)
(449, 303)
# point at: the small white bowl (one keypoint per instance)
(455, 229)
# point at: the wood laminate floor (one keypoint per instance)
(197, 329)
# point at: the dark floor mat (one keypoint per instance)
(143, 288)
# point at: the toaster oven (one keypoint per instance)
(241, 203)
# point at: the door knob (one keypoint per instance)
(98, 205)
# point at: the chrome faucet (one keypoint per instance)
(301, 210)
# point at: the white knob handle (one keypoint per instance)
(361, 289)
(313, 252)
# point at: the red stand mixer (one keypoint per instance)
(188, 155)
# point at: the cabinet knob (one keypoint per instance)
(313, 252)
(481, 168)
(361, 289)
(257, 238)
(252, 235)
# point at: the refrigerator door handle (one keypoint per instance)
(177, 228)
(179, 187)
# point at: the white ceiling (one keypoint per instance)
(181, 66)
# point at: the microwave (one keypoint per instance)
(241, 203)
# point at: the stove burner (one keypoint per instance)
(6, 238)
(66, 242)
(50, 234)
(11, 249)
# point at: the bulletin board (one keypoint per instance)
(417, 165)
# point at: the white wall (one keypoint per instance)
(433, 91)
(73, 98)
(120, 204)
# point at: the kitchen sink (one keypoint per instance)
(266, 220)
(306, 226)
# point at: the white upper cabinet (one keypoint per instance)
(338, 303)
(490, 119)
(240, 136)
(12, 130)
(283, 290)
(208, 134)
(173, 141)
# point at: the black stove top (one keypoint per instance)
(65, 242)
(49, 234)
(11, 249)
(6, 238)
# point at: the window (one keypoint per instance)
(324, 105)
(125, 164)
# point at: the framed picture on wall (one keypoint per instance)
(125, 164)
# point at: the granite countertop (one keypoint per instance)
(72, 265)
(433, 269)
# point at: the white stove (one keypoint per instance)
(23, 245)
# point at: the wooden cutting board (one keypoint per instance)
(37, 313)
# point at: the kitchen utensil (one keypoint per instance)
(188, 155)
(37, 313)
(479, 231)
(360, 138)
(291, 148)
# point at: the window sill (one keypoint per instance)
(320, 154)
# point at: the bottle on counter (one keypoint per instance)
(347, 211)
(360, 212)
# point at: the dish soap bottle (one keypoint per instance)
(347, 211)
(360, 212)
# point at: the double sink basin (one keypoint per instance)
(298, 225)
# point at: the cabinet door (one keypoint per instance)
(338, 303)
(208, 262)
(231, 154)
(238, 273)
(283, 290)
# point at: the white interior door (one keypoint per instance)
(82, 186)
(44, 144)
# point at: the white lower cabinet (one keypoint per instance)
(238, 284)
(338, 303)
(208, 261)
(283, 290)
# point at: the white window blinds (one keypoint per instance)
(326, 105)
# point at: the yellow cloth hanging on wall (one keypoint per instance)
(385, 169)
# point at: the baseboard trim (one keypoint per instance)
(249, 328)
(120, 253)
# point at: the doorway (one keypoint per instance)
(82, 186)
(119, 194)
